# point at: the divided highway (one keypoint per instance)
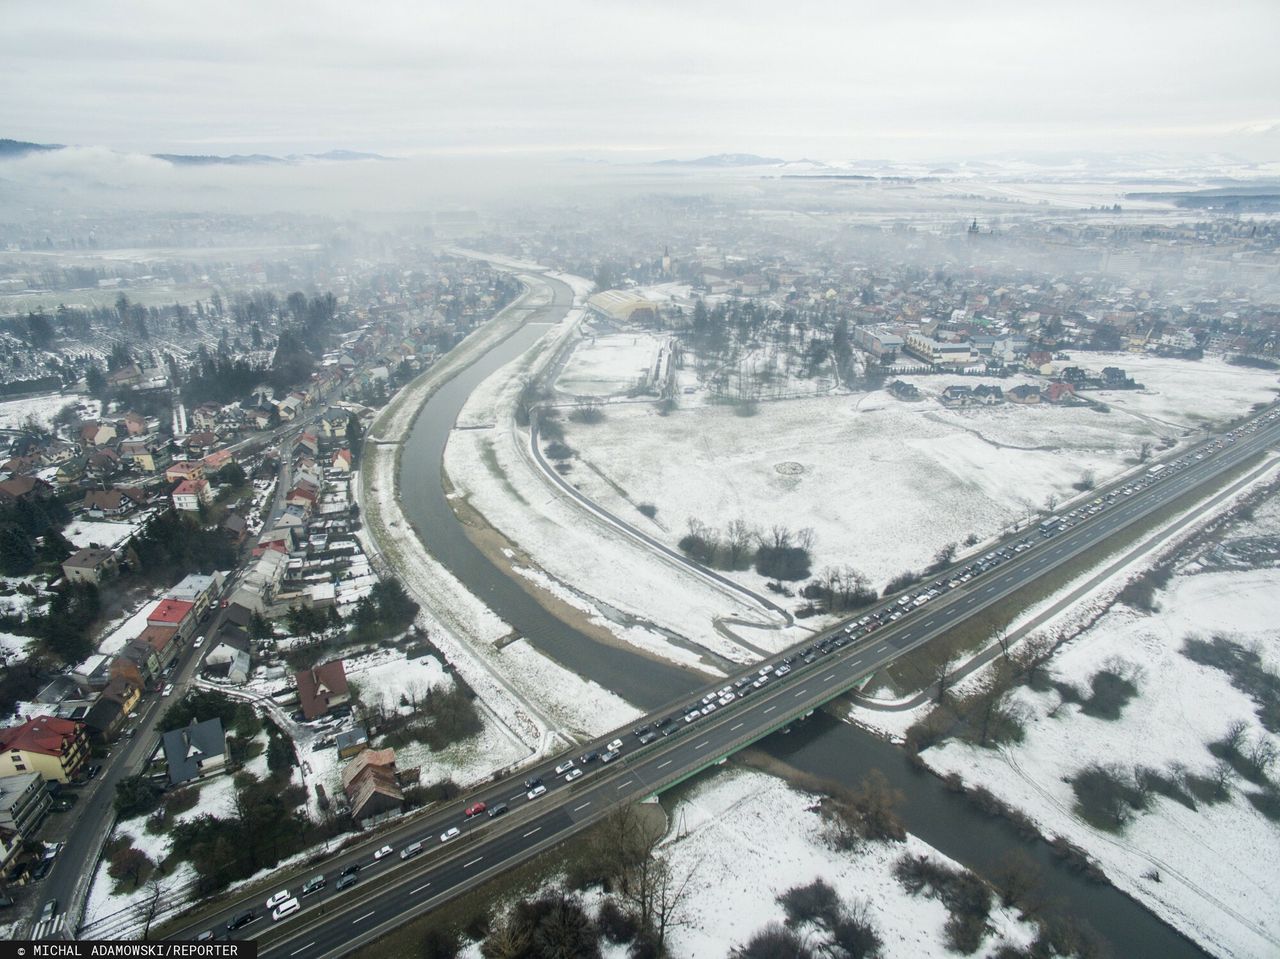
(391, 891)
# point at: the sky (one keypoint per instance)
(654, 79)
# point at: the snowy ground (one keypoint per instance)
(83, 533)
(748, 837)
(1218, 881)
(14, 414)
(126, 628)
(613, 363)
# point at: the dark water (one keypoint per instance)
(819, 746)
(822, 746)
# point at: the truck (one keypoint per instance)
(1156, 470)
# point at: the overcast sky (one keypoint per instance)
(652, 79)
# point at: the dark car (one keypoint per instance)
(92, 771)
(497, 810)
(346, 881)
(40, 869)
(242, 919)
(351, 870)
(641, 731)
(647, 737)
(533, 783)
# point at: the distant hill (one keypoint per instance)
(725, 160)
(17, 148)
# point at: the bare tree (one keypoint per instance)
(1235, 736)
(942, 676)
(1222, 776)
(805, 538)
(148, 906)
(1051, 502)
(1003, 637)
(1144, 452)
(670, 900)
(1263, 755)
(737, 542)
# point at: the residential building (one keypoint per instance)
(321, 688)
(370, 784)
(163, 642)
(174, 612)
(184, 470)
(190, 495)
(24, 802)
(138, 662)
(198, 590)
(90, 565)
(351, 741)
(194, 751)
(116, 501)
(55, 748)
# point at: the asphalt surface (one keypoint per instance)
(393, 891)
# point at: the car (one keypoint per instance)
(453, 832)
(532, 782)
(573, 774)
(50, 910)
(564, 767)
(726, 699)
(646, 739)
(208, 935)
(588, 757)
(498, 810)
(759, 683)
(641, 731)
(351, 870)
(298, 716)
(51, 850)
(346, 881)
(610, 756)
(706, 711)
(40, 869)
(168, 689)
(314, 884)
(540, 789)
(282, 896)
(285, 908)
(382, 853)
(475, 809)
(199, 641)
(615, 745)
(692, 717)
(242, 919)
(92, 771)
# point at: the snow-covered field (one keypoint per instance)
(1216, 865)
(14, 414)
(102, 534)
(614, 363)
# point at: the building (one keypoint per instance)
(190, 495)
(116, 501)
(177, 613)
(351, 741)
(370, 784)
(24, 802)
(321, 688)
(195, 751)
(23, 487)
(622, 306)
(148, 455)
(90, 565)
(109, 712)
(879, 341)
(1025, 394)
(1060, 392)
(938, 352)
(257, 588)
(162, 641)
(184, 470)
(198, 590)
(138, 662)
(54, 748)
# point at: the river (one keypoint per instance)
(819, 746)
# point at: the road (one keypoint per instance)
(391, 892)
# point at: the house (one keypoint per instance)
(351, 741)
(127, 375)
(234, 524)
(288, 408)
(205, 416)
(163, 641)
(229, 654)
(116, 501)
(184, 470)
(369, 782)
(71, 470)
(135, 424)
(148, 455)
(342, 460)
(97, 434)
(112, 708)
(102, 463)
(177, 613)
(956, 396)
(24, 802)
(200, 442)
(199, 590)
(23, 487)
(216, 460)
(137, 662)
(902, 390)
(1114, 378)
(1059, 392)
(307, 443)
(90, 566)
(257, 588)
(190, 495)
(988, 395)
(54, 748)
(1025, 394)
(93, 674)
(333, 423)
(321, 688)
(194, 751)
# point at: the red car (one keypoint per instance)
(475, 809)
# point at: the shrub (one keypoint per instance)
(783, 562)
(648, 509)
(1111, 692)
(617, 926)
(816, 903)
(1106, 796)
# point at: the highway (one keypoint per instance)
(391, 892)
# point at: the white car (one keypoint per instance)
(282, 896)
(284, 909)
(535, 792)
(451, 833)
(614, 746)
(382, 853)
(573, 774)
(564, 767)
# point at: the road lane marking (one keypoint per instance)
(799, 694)
(828, 677)
(771, 709)
(530, 832)
(362, 918)
(663, 765)
(626, 784)
(856, 662)
(412, 892)
(303, 949)
(468, 865)
(701, 744)
(582, 807)
(739, 726)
